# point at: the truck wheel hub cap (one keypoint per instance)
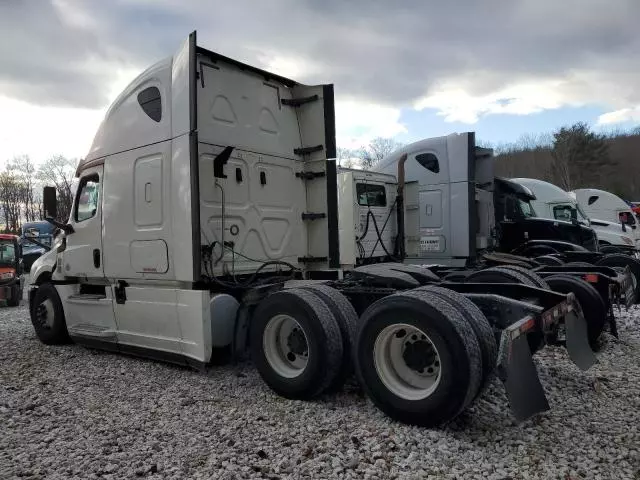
(407, 361)
(285, 346)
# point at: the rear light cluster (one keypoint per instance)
(524, 328)
(552, 315)
(591, 277)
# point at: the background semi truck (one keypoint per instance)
(206, 221)
(458, 215)
(455, 211)
(606, 206)
(36, 240)
(554, 203)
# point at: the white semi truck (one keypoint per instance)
(604, 206)
(206, 221)
(554, 203)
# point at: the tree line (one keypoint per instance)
(21, 183)
(571, 157)
(576, 157)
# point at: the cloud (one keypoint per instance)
(623, 115)
(464, 59)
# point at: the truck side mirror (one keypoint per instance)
(49, 202)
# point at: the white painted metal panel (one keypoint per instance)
(262, 210)
(126, 125)
(148, 191)
(149, 256)
(149, 319)
(194, 320)
(129, 217)
(242, 109)
(180, 86)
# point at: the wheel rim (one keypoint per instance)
(407, 361)
(45, 314)
(285, 346)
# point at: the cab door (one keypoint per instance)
(83, 254)
(88, 304)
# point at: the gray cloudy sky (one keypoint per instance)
(400, 68)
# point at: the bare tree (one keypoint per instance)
(24, 170)
(377, 149)
(345, 157)
(59, 171)
(10, 197)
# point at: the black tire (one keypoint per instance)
(323, 339)
(608, 249)
(578, 264)
(549, 260)
(509, 275)
(347, 319)
(16, 296)
(500, 275)
(537, 280)
(460, 358)
(537, 250)
(50, 331)
(455, 277)
(593, 307)
(621, 260)
(480, 325)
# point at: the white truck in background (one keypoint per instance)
(206, 222)
(554, 203)
(604, 206)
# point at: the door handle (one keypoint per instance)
(96, 258)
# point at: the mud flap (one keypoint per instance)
(629, 292)
(578, 341)
(518, 372)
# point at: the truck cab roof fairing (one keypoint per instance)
(108, 139)
(513, 188)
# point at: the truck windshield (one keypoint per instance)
(526, 209)
(582, 216)
(627, 218)
(7, 253)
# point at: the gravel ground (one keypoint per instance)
(72, 412)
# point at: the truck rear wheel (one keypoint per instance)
(479, 324)
(593, 307)
(509, 275)
(549, 260)
(608, 249)
(47, 316)
(537, 250)
(620, 260)
(578, 264)
(537, 280)
(347, 319)
(295, 343)
(417, 358)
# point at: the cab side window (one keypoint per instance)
(429, 161)
(87, 198)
